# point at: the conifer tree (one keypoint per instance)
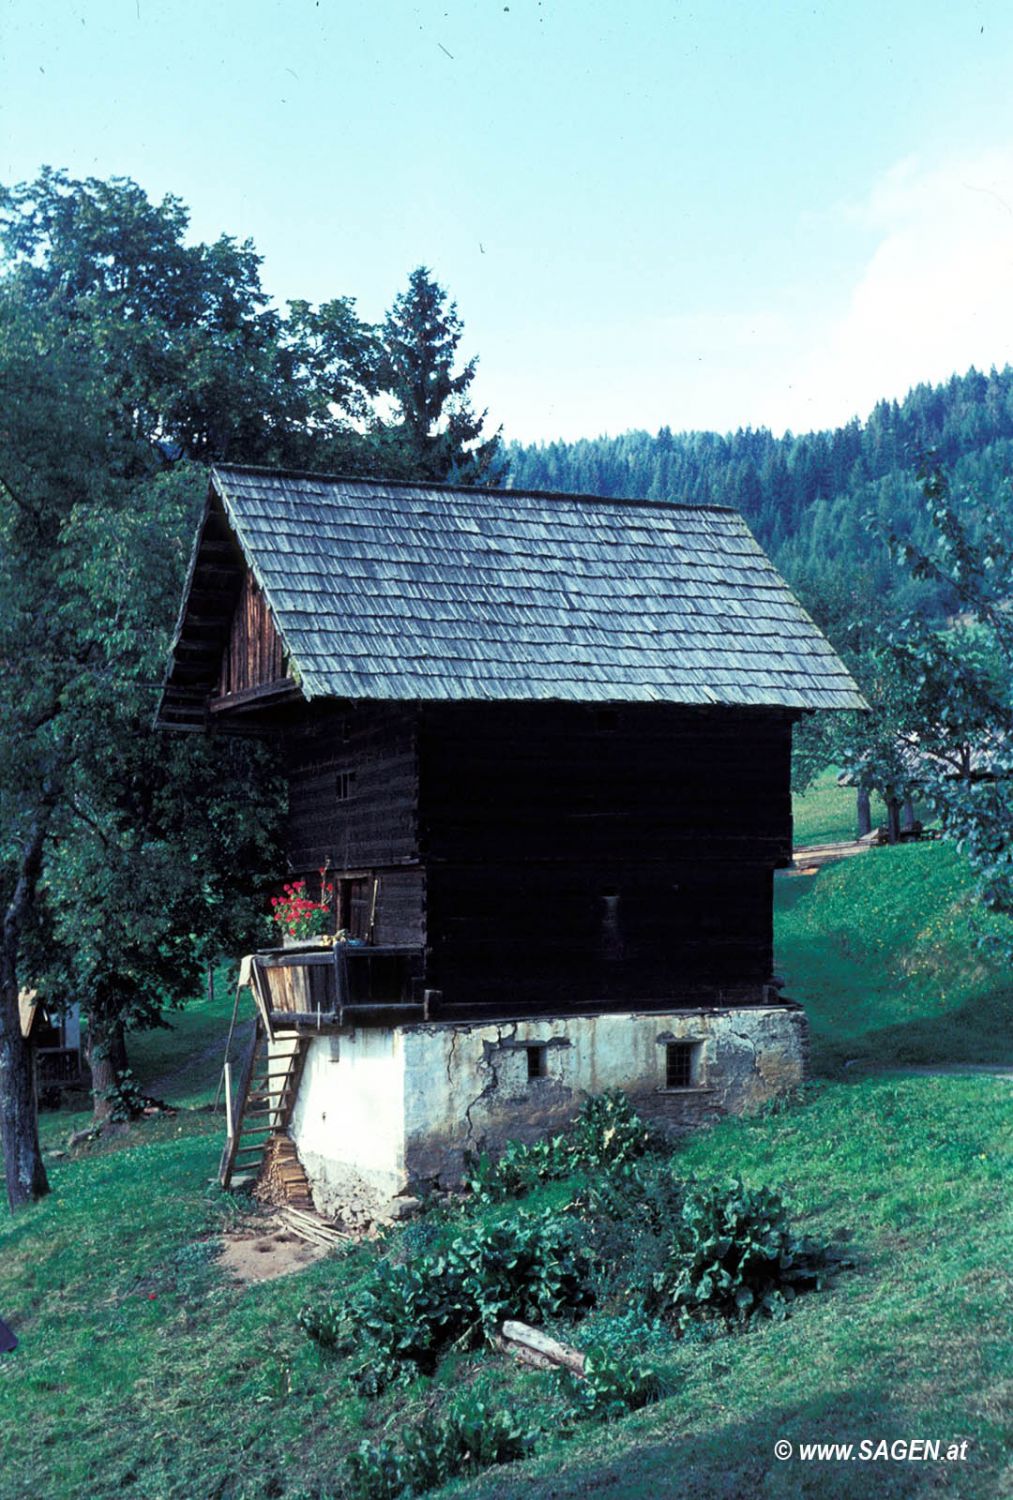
(438, 432)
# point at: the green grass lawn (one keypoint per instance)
(825, 814)
(885, 952)
(145, 1373)
(187, 1054)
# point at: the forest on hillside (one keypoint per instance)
(809, 498)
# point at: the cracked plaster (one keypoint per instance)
(400, 1108)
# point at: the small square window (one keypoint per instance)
(537, 1058)
(682, 1065)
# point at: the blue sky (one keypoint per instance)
(708, 215)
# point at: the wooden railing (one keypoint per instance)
(298, 987)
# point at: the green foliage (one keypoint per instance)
(612, 1386)
(130, 357)
(531, 1267)
(807, 495)
(125, 1097)
(469, 1437)
(825, 811)
(528, 1267)
(734, 1256)
(212, 1369)
(519, 1168)
(198, 363)
(438, 429)
(646, 1193)
(631, 1218)
(607, 1134)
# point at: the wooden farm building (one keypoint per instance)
(540, 742)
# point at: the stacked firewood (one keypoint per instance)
(282, 1178)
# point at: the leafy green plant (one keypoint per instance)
(469, 1437)
(376, 1471)
(125, 1097)
(518, 1169)
(532, 1267)
(612, 1386)
(734, 1256)
(607, 1134)
(630, 1332)
(645, 1194)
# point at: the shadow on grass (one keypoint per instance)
(979, 1032)
(737, 1461)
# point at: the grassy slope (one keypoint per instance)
(826, 814)
(185, 1057)
(203, 1389)
(883, 950)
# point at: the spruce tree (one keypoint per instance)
(438, 435)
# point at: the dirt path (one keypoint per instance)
(809, 857)
(166, 1085)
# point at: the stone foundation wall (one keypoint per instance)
(385, 1112)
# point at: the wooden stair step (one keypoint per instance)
(268, 1085)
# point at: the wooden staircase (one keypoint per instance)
(268, 1084)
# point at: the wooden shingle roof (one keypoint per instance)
(429, 592)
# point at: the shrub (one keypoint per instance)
(644, 1194)
(125, 1096)
(734, 1256)
(607, 1134)
(630, 1332)
(611, 1387)
(518, 1169)
(469, 1437)
(630, 1218)
(531, 1267)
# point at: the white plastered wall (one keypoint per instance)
(383, 1112)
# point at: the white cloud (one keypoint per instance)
(935, 296)
(912, 283)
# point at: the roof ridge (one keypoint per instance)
(628, 501)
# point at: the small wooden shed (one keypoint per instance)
(541, 743)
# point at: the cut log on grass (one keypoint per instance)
(532, 1347)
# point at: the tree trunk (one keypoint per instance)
(19, 1122)
(892, 818)
(24, 1171)
(907, 815)
(863, 810)
(107, 1059)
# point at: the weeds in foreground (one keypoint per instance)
(683, 1254)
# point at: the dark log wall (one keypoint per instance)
(551, 856)
(353, 795)
(577, 856)
(254, 656)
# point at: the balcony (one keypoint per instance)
(309, 987)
